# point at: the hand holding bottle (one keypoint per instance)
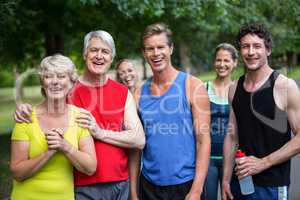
(246, 183)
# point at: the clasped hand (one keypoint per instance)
(56, 141)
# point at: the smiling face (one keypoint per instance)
(157, 52)
(224, 63)
(254, 52)
(98, 57)
(56, 84)
(127, 74)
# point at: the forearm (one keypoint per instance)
(283, 154)
(229, 149)
(82, 161)
(28, 168)
(125, 139)
(134, 171)
(202, 162)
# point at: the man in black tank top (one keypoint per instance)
(264, 110)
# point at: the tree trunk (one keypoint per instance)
(54, 43)
(54, 26)
(19, 91)
(292, 59)
(184, 57)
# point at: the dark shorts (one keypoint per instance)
(103, 191)
(261, 193)
(149, 191)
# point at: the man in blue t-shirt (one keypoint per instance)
(174, 109)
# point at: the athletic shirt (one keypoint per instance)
(170, 151)
(55, 179)
(107, 104)
(262, 129)
(219, 109)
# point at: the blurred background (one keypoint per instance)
(33, 29)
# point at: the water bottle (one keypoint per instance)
(246, 184)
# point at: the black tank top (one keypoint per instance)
(262, 129)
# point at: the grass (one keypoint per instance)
(8, 104)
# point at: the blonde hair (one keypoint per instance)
(58, 63)
(156, 29)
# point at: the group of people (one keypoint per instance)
(173, 137)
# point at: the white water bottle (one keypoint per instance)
(246, 184)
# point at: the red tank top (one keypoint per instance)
(107, 104)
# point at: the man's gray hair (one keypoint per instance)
(104, 36)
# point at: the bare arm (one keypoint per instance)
(134, 163)
(83, 158)
(229, 149)
(289, 95)
(21, 166)
(132, 137)
(199, 102)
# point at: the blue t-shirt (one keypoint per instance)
(170, 152)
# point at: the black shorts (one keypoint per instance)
(149, 191)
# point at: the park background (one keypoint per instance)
(33, 29)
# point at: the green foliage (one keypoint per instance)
(8, 104)
(31, 25)
(7, 79)
(5, 175)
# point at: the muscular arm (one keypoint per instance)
(199, 102)
(132, 137)
(23, 167)
(286, 95)
(287, 91)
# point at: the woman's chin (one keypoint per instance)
(56, 97)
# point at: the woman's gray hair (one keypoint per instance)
(228, 47)
(104, 36)
(58, 63)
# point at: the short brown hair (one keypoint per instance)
(258, 29)
(156, 29)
